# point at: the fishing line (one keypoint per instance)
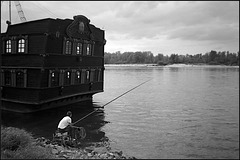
(110, 102)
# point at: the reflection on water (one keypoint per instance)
(44, 123)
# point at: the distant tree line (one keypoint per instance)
(146, 57)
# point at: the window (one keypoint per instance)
(100, 77)
(19, 79)
(8, 46)
(77, 77)
(67, 78)
(81, 27)
(79, 48)
(92, 74)
(92, 48)
(7, 78)
(87, 76)
(68, 47)
(96, 75)
(54, 78)
(88, 49)
(21, 46)
(83, 75)
(57, 34)
(16, 44)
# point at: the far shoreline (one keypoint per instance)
(172, 65)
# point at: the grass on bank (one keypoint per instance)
(19, 144)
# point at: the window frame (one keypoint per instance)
(8, 46)
(79, 48)
(100, 75)
(68, 47)
(77, 79)
(20, 78)
(67, 78)
(53, 78)
(21, 45)
(88, 49)
(96, 75)
(9, 78)
(92, 75)
(87, 76)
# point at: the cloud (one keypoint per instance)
(197, 21)
(140, 19)
(219, 33)
(150, 23)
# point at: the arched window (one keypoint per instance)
(67, 78)
(79, 48)
(8, 46)
(77, 77)
(21, 46)
(20, 79)
(68, 47)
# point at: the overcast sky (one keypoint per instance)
(185, 27)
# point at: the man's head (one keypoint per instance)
(69, 113)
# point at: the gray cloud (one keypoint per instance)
(178, 20)
(215, 22)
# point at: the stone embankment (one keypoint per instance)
(97, 151)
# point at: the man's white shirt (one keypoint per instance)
(64, 122)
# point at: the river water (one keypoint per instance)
(184, 112)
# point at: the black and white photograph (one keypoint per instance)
(119, 80)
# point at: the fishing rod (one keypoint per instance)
(110, 102)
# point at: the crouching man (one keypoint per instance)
(65, 124)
